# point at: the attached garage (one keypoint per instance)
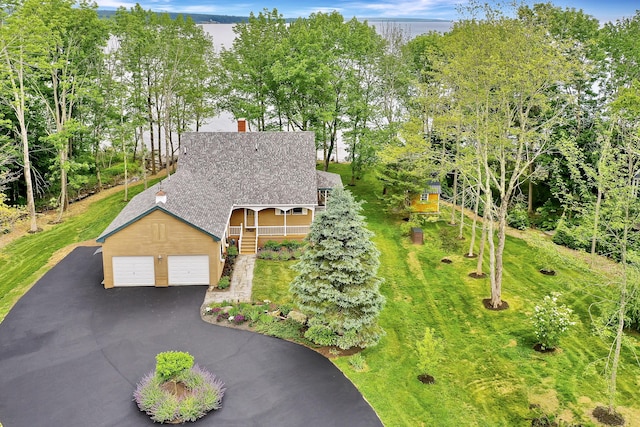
(188, 270)
(133, 271)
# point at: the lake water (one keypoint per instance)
(223, 34)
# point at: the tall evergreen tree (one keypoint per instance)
(337, 286)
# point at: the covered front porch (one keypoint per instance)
(251, 227)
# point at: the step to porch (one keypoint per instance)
(247, 245)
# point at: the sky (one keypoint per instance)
(604, 10)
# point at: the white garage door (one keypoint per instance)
(133, 271)
(188, 270)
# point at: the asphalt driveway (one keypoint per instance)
(72, 352)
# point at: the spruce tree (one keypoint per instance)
(337, 286)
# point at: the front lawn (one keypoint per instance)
(24, 260)
(491, 375)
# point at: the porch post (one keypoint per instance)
(284, 214)
(256, 223)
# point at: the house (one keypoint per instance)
(427, 202)
(230, 188)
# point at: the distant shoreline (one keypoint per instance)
(200, 18)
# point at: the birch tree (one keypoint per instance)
(73, 38)
(20, 43)
(505, 75)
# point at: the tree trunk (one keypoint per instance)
(594, 237)
(530, 195)
(462, 202)
(24, 136)
(475, 221)
(618, 342)
(143, 154)
(151, 138)
(496, 288)
(453, 198)
(31, 206)
(64, 197)
(483, 240)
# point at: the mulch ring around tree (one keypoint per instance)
(602, 414)
(502, 306)
(426, 379)
(548, 272)
(472, 256)
(475, 275)
(446, 261)
(538, 347)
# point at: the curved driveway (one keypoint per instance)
(71, 353)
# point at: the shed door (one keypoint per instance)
(188, 270)
(133, 271)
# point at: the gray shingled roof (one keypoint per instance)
(219, 170)
(328, 180)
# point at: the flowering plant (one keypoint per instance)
(551, 321)
(238, 319)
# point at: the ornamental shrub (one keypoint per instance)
(268, 254)
(518, 217)
(224, 282)
(232, 251)
(205, 394)
(449, 241)
(357, 362)
(429, 349)
(293, 244)
(272, 245)
(239, 319)
(169, 364)
(321, 335)
(284, 255)
(551, 321)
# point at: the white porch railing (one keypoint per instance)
(279, 230)
(235, 230)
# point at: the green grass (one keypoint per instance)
(490, 374)
(268, 280)
(24, 260)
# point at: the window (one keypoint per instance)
(293, 211)
(424, 197)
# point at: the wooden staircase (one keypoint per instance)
(248, 243)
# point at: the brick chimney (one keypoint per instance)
(161, 197)
(242, 125)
